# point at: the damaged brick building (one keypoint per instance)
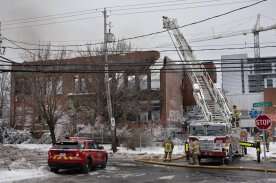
(80, 89)
(176, 91)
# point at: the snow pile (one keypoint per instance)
(12, 157)
(24, 174)
(43, 148)
(21, 164)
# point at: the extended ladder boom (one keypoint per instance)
(210, 99)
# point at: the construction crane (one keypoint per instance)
(208, 97)
(255, 31)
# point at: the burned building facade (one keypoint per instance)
(79, 89)
(176, 91)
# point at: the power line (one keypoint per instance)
(163, 50)
(87, 10)
(96, 17)
(46, 16)
(39, 20)
(173, 70)
(20, 47)
(186, 25)
(181, 8)
(248, 61)
(182, 3)
(92, 11)
(50, 23)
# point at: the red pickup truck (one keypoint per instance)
(76, 153)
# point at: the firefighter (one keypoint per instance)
(235, 116)
(195, 151)
(258, 140)
(267, 140)
(168, 149)
(243, 137)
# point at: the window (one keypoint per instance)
(19, 86)
(131, 81)
(54, 86)
(59, 89)
(155, 115)
(197, 131)
(92, 145)
(216, 131)
(80, 85)
(144, 116)
(49, 87)
(269, 83)
(143, 82)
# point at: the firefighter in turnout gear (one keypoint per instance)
(195, 151)
(267, 140)
(258, 140)
(168, 149)
(235, 116)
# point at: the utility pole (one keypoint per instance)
(107, 86)
(256, 33)
(2, 49)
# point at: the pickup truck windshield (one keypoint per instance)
(68, 145)
(216, 131)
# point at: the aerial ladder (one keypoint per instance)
(208, 97)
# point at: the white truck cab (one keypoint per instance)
(216, 140)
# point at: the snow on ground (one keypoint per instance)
(143, 152)
(170, 177)
(17, 164)
(123, 152)
(22, 174)
(251, 152)
(152, 150)
(37, 147)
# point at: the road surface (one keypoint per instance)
(122, 171)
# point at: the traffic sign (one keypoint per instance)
(112, 122)
(253, 113)
(263, 122)
(262, 104)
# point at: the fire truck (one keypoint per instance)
(218, 136)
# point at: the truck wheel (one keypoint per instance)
(87, 166)
(55, 170)
(104, 163)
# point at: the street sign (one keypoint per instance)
(253, 113)
(262, 104)
(112, 122)
(263, 122)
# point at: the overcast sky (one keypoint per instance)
(80, 29)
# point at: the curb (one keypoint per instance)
(223, 167)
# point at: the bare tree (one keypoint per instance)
(4, 92)
(126, 99)
(47, 90)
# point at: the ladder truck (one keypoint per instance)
(217, 136)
